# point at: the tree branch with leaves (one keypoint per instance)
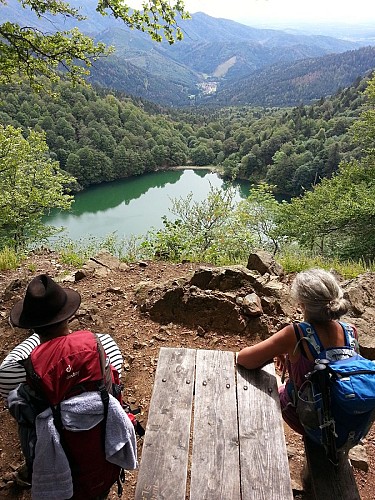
(31, 184)
(27, 52)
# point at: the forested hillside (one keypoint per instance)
(213, 50)
(298, 82)
(98, 137)
(289, 148)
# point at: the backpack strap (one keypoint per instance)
(351, 338)
(32, 378)
(297, 332)
(310, 336)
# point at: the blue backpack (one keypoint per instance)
(336, 403)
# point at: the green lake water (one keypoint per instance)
(135, 205)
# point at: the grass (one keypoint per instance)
(76, 253)
(9, 259)
(297, 262)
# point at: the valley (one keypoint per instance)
(220, 62)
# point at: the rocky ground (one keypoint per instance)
(111, 303)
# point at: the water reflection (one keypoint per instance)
(112, 194)
(133, 206)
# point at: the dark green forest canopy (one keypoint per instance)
(99, 136)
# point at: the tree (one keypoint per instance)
(27, 52)
(202, 155)
(31, 184)
(338, 216)
(202, 230)
(258, 213)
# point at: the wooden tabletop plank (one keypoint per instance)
(164, 461)
(215, 472)
(330, 482)
(264, 461)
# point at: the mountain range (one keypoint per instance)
(219, 62)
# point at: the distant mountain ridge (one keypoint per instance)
(224, 53)
(303, 81)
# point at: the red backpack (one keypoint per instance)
(64, 367)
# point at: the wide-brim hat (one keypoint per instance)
(45, 303)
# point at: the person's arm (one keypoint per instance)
(12, 373)
(257, 355)
(112, 350)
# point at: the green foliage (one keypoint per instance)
(157, 19)
(337, 218)
(99, 137)
(30, 185)
(203, 231)
(290, 148)
(169, 243)
(258, 214)
(96, 137)
(295, 260)
(9, 259)
(25, 51)
(76, 253)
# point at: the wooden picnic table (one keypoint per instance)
(214, 431)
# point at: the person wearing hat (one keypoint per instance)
(45, 309)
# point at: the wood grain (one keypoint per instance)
(215, 472)
(166, 443)
(264, 462)
(330, 482)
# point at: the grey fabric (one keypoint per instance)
(52, 478)
(24, 406)
(51, 473)
(84, 411)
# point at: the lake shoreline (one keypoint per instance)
(135, 205)
(211, 168)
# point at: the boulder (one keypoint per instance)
(365, 328)
(263, 262)
(251, 305)
(360, 293)
(223, 278)
(214, 298)
(106, 259)
(358, 458)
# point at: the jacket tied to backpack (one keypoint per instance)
(80, 413)
(77, 417)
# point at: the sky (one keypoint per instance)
(263, 11)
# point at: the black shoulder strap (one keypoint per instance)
(32, 378)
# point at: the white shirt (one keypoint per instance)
(13, 373)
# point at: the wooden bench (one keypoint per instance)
(324, 480)
(214, 431)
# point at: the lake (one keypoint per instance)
(135, 205)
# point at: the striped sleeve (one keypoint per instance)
(11, 372)
(112, 350)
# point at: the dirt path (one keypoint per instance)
(108, 306)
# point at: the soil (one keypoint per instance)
(108, 306)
